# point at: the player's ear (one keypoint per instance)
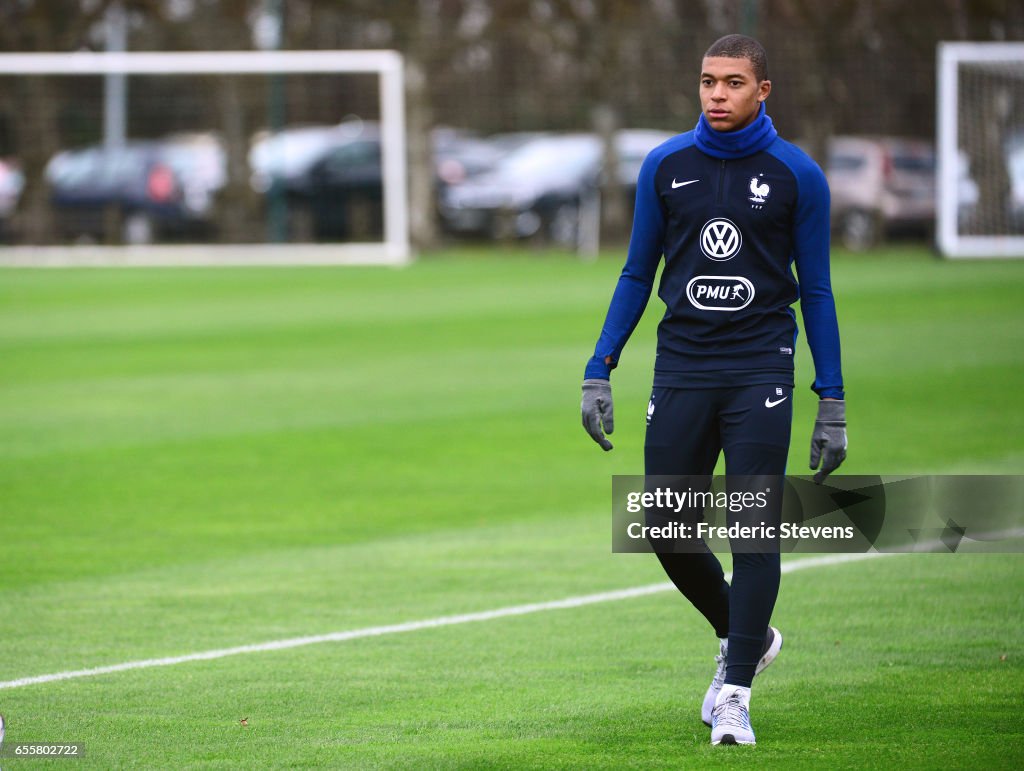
(763, 89)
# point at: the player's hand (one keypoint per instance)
(597, 410)
(828, 442)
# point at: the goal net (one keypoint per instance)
(272, 157)
(980, 210)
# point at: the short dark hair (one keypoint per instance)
(742, 47)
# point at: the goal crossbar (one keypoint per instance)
(199, 62)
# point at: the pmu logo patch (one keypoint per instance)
(720, 293)
(720, 239)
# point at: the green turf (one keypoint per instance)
(196, 459)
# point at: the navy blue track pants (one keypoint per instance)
(687, 430)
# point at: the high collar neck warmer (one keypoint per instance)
(736, 144)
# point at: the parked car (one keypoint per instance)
(331, 176)
(286, 156)
(880, 186)
(540, 187)
(154, 189)
(459, 155)
(343, 190)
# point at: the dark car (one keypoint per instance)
(540, 187)
(328, 176)
(286, 156)
(331, 176)
(140, 192)
(343, 191)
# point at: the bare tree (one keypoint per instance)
(432, 35)
(239, 104)
(595, 35)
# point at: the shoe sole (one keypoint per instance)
(770, 655)
(730, 739)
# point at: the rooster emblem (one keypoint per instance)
(759, 192)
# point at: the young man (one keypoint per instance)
(732, 207)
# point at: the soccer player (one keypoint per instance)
(732, 207)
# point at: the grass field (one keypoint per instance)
(199, 459)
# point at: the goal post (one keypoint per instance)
(393, 248)
(980, 142)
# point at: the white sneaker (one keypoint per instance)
(730, 720)
(772, 646)
(716, 683)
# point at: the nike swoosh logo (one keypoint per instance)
(682, 184)
(769, 403)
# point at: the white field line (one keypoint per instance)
(409, 626)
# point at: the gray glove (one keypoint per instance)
(597, 410)
(828, 442)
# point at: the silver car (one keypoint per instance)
(880, 186)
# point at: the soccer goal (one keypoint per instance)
(263, 157)
(980, 211)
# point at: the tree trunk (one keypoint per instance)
(614, 211)
(238, 201)
(37, 140)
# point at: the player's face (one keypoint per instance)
(730, 94)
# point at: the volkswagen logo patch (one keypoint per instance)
(720, 239)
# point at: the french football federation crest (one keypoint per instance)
(758, 190)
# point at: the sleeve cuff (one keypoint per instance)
(597, 369)
(831, 393)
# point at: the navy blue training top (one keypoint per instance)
(732, 214)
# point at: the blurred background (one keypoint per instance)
(526, 119)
